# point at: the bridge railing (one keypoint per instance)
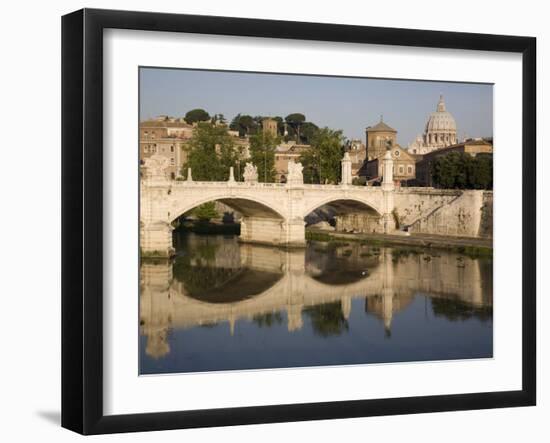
(227, 184)
(236, 184)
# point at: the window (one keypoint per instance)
(401, 170)
(146, 148)
(409, 169)
(172, 148)
(172, 161)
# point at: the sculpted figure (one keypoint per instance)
(250, 173)
(295, 174)
(155, 167)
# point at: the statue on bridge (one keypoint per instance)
(295, 175)
(250, 173)
(155, 168)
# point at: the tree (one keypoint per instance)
(458, 170)
(245, 124)
(482, 172)
(234, 125)
(321, 161)
(262, 155)
(206, 212)
(210, 153)
(280, 125)
(295, 121)
(307, 132)
(219, 118)
(196, 115)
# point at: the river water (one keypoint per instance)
(222, 305)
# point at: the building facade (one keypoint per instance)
(269, 126)
(379, 139)
(284, 153)
(165, 136)
(168, 136)
(404, 166)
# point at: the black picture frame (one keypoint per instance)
(82, 218)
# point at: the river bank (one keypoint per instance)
(463, 245)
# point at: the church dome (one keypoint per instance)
(441, 120)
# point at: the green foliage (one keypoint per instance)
(206, 211)
(210, 153)
(268, 320)
(327, 319)
(457, 310)
(219, 118)
(474, 252)
(197, 115)
(295, 121)
(280, 125)
(458, 170)
(245, 124)
(308, 131)
(262, 155)
(321, 161)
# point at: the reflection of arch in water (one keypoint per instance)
(164, 303)
(240, 284)
(336, 264)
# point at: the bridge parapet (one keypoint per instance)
(272, 213)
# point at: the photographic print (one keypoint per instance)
(292, 221)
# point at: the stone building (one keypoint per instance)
(168, 137)
(269, 126)
(284, 153)
(440, 131)
(424, 165)
(165, 136)
(379, 138)
(357, 153)
(404, 166)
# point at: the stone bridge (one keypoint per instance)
(272, 213)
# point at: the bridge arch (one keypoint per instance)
(246, 205)
(344, 205)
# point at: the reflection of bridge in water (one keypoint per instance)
(250, 281)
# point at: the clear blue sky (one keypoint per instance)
(350, 104)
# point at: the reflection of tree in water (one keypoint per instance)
(268, 320)
(327, 319)
(457, 310)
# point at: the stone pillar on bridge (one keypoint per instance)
(273, 231)
(288, 230)
(346, 170)
(155, 228)
(388, 188)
